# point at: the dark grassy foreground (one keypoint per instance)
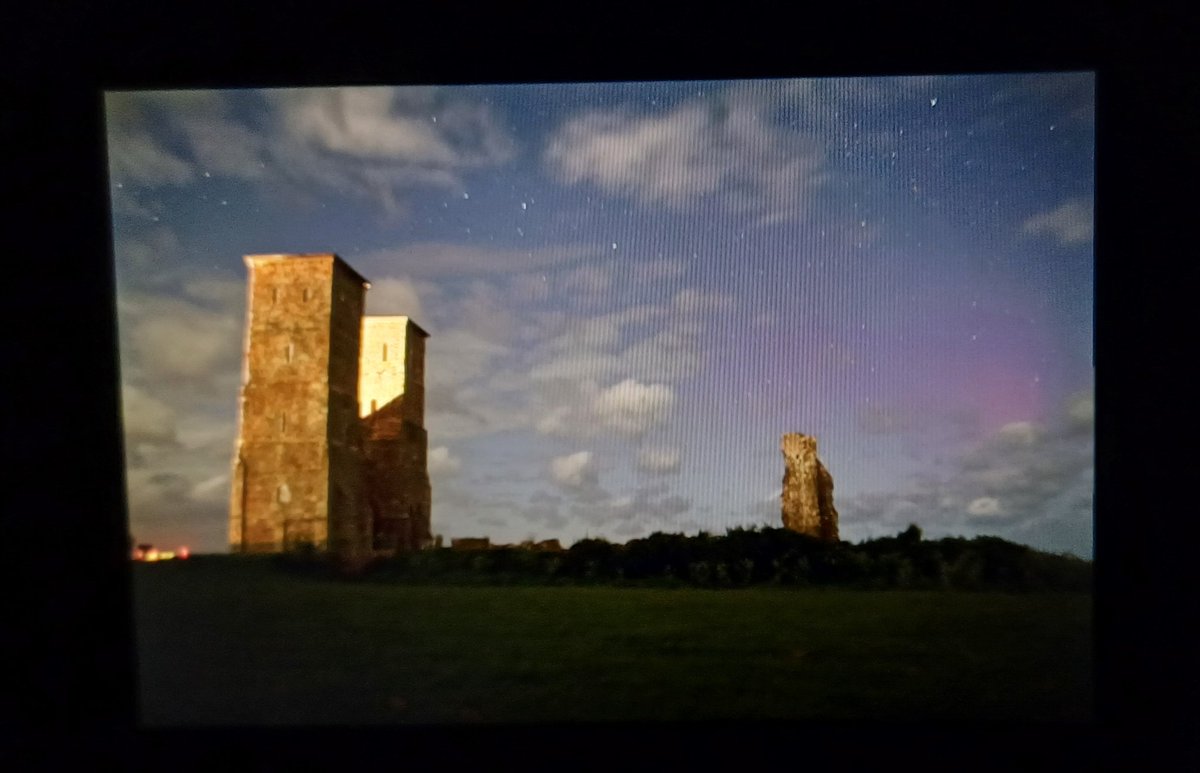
(234, 641)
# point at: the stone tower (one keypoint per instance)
(807, 490)
(391, 402)
(307, 461)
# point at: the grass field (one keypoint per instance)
(229, 642)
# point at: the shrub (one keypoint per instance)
(966, 573)
(742, 571)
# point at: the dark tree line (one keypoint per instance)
(753, 557)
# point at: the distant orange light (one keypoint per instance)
(151, 555)
(166, 555)
(182, 552)
(138, 555)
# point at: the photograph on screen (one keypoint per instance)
(593, 402)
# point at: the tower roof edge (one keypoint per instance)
(338, 260)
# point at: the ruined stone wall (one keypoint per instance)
(807, 495)
(398, 488)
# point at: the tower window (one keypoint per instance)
(291, 350)
(385, 352)
(283, 422)
(284, 494)
(372, 406)
(274, 294)
(306, 293)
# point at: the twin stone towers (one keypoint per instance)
(331, 448)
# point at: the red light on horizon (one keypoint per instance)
(183, 552)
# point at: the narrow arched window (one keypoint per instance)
(306, 294)
(284, 494)
(274, 294)
(283, 422)
(385, 352)
(291, 351)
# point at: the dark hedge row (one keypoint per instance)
(743, 557)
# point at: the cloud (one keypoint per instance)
(214, 489)
(638, 351)
(878, 420)
(543, 508)
(155, 487)
(179, 361)
(631, 407)
(1071, 94)
(416, 125)
(458, 356)
(146, 419)
(126, 203)
(575, 471)
(692, 301)
(374, 143)
(223, 147)
(442, 463)
(504, 361)
(1081, 412)
(137, 158)
(630, 514)
(171, 340)
(1019, 433)
(590, 279)
(151, 252)
(984, 506)
(725, 149)
(381, 143)
(661, 460)
(657, 269)
(362, 122)
(394, 296)
(179, 499)
(224, 293)
(1025, 479)
(439, 259)
(1069, 223)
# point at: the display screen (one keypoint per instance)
(479, 403)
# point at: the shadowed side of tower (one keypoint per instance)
(298, 465)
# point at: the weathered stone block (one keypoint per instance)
(807, 490)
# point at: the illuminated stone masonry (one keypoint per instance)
(331, 447)
(807, 490)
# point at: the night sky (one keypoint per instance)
(633, 290)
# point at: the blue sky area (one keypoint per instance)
(634, 289)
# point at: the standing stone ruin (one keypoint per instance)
(807, 490)
(331, 447)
